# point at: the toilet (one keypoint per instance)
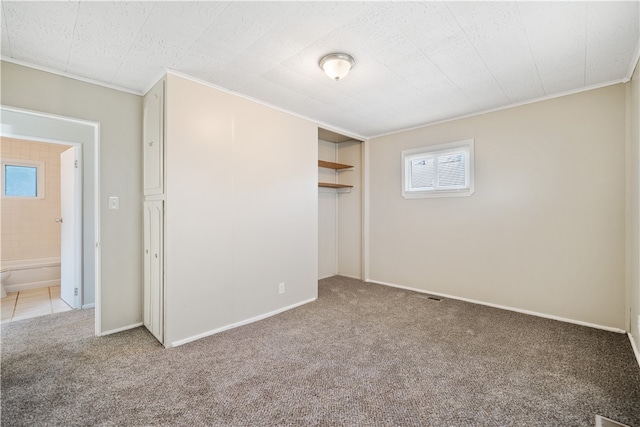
(4, 275)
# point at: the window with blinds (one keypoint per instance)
(444, 170)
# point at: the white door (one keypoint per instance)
(153, 268)
(71, 227)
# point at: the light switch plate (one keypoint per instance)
(114, 202)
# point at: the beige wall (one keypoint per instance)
(633, 206)
(241, 212)
(29, 230)
(120, 118)
(544, 230)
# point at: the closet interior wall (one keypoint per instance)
(340, 210)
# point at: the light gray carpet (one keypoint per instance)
(362, 355)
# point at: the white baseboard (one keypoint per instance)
(237, 324)
(341, 275)
(636, 350)
(28, 264)
(88, 306)
(504, 307)
(31, 285)
(124, 328)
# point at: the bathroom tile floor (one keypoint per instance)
(32, 303)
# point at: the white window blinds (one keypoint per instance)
(438, 170)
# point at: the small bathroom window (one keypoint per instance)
(23, 178)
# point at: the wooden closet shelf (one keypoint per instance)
(331, 165)
(332, 185)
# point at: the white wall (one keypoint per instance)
(241, 210)
(544, 230)
(120, 118)
(350, 211)
(633, 206)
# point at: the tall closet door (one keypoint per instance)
(154, 268)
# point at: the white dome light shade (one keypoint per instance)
(337, 65)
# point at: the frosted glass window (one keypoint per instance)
(20, 181)
(23, 178)
(444, 170)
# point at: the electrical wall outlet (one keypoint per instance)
(281, 288)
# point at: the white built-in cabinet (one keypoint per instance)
(153, 268)
(153, 207)
(153, 144)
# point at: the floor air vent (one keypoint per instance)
(430, 297)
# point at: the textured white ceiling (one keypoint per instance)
(416, 62)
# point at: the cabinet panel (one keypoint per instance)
(154, 268)
(153, 140)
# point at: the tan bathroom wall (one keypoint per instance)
(28, 228)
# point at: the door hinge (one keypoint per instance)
(75, 163)
(75, 292)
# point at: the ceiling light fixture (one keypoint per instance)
(337, 65)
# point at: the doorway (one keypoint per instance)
(31, 125)
(41, 228)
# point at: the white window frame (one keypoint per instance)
(466, 146)
(39, 177)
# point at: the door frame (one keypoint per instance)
(34, 125)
